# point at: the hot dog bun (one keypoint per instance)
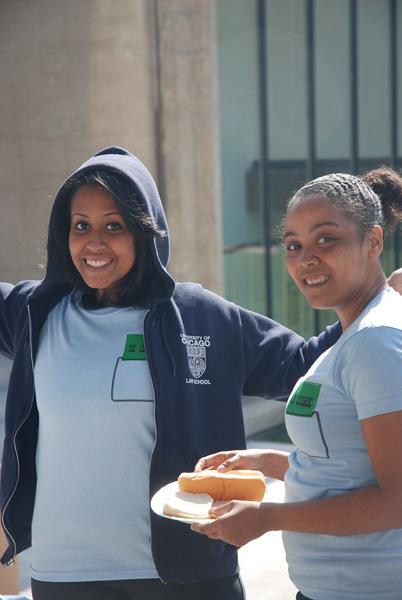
(233, 485)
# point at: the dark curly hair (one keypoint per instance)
(387, 184)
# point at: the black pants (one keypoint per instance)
(299, 596)
(229, 588)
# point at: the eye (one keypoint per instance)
(81, 226)
(114, 226)
(292, 246)
(326, 239)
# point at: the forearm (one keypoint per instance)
(276, 464)
(361, 511)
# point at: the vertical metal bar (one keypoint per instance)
(311, 111)
(393, 61)
(354, 126)
(310, 54)
(264, 154)
(393, 80)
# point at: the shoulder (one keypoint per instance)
(372, 343)
(370, 370)
(371, 361)
(13, 314)
(191, 294)
(19, 292)
(378, 328)
(384, 311)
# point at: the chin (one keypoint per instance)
(318, 304)
(96, 285)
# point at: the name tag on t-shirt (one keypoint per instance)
(304, 400)
(131, 378)
(135, 347)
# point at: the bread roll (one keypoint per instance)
(188, 506)
(231, 485)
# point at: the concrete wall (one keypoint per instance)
(80, 75)
(74, 79)
(189, 147)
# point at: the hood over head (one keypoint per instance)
(120, 163)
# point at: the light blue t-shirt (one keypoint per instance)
(359, 377)
(96, 435)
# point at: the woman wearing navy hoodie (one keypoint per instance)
(121, 380)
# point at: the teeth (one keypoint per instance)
(315, 279)
(97, 263)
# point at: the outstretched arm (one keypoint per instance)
(276, 357)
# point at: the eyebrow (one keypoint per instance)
(314, 227)
(77, 214)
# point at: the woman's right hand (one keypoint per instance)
(234, 459)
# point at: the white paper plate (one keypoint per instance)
(158, 500)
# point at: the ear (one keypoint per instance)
(375, 241)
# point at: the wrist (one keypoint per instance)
(269, 466)
(270, 516)
(276, 464)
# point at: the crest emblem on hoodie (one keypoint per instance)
(197, 361)
(196, 348)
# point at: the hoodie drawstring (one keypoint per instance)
(166, 344)
(179, 321)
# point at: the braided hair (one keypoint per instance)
(372, 199)
(350, 194)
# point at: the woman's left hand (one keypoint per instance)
(236, 522)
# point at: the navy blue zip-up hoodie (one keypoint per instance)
(204, 353)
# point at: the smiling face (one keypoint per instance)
(332, 264)
(102, 247)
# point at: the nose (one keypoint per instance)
(95, 242)
(308, 259)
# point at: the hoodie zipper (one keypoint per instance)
(155, 400)
(11, 562)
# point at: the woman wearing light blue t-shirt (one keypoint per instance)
(342, 518)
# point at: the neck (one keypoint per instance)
(105, 298)
(348, 314)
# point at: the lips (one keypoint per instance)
(315, 280)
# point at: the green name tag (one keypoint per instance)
(304, 400)
(134, 348)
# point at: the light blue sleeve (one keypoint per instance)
(370, 367)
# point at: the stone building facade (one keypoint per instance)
(80, 75)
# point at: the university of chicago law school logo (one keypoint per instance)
(197, 361)
(196, 348)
